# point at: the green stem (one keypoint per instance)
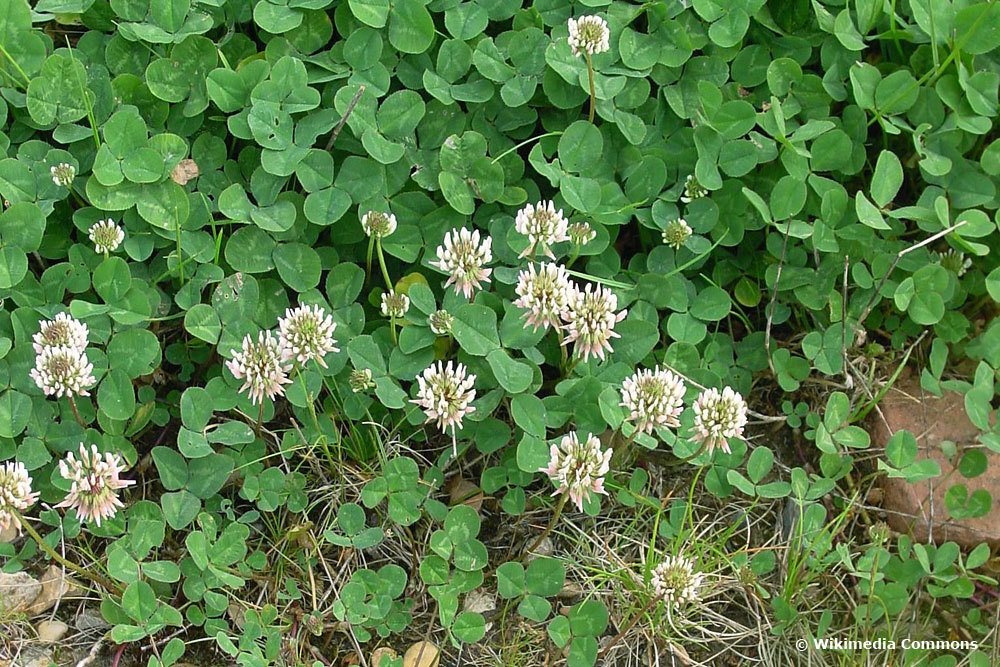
(260, 417)
(368, 257)
(381, 263)
(593, 94)
(13, 62)
(57, 557)
(523, 144)
(552, 524)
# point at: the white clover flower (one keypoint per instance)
(581, 233)
(96, 482)
(440, 322)
(464, 257)
(589, 34)
(676, 581)
(676, 233)
(394, 305)
(578, 468)
(15, 494)
(361, 380)
(719, 416)
(692, 190)
(954, 261)
(106, 236)
(544, 295)
(63, 174)
(63, 371)
(307, 333)
(61, 331)
(378, 224)
(445, 393)
(543, 226)
(262, 365)
(654, 399)
(590, 321)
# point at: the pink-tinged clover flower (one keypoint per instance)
(590, 321)
(15, 494)
(543, 294)
(446, 392)
(307, 333)
(653, 398)
(543, 225)
(578, 468)
(463, 255)
(95, 484)
(719, 416)
(263, 365)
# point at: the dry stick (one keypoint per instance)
(57, 557)
(774, 299)
(340, 124)
(552, 524)
(899, 256)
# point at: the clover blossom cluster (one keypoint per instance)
(578, 468)
(96, 480)
(464, 256)
(106, 235)
(445, 392)
(61, 364)
(676, 581)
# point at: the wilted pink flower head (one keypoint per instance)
(676, 581)
(543, 226)
(95, 478)
(719, 416)
(544, 294)
(61, 331)
(15, 493)
(653, 398)
(106, 236)
(445, 394)
(589, 34)
(464, 257)
(578, 468)
(307, 333)
(63, 371)
(262, 365)
(590, 321)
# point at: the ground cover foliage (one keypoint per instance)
(780, 202)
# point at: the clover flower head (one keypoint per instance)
(307, 333)
(581, 233)
(590, 321)
(676, 581)
(464, 257)
(653, 398)
(445, 393)
(15, 493)
(589, 34)
(63, 371)
(360, 380)
(543, 225)
(440, 322)
(676, 233)
(61, 331)
(378, 224)
(63, 174)
(692, 190)
(106, 235)
(954, 261)
(543, 294)
(95, 484)
(578, 468)
(719, 416)
(263, 365)
(394, 305)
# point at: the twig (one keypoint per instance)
(548, 529)
(766, 419)
(340, 124)
(902, 253)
